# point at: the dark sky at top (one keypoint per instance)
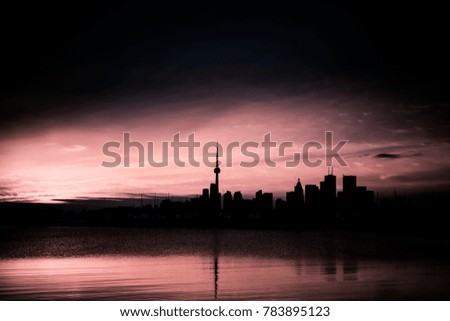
(56, 52)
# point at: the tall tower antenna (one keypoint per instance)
(217, 169)
(330, 170)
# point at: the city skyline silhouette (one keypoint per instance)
(320, 206)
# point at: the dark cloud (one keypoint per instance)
(395, 156)
(6, 193)
(386, 155)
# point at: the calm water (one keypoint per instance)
(156, 264)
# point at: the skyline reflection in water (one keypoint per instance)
(210, 265)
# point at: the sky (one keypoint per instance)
(75, 77)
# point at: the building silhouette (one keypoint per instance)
(205, 193)
(295, 201)
(263, 203)
(238, 196)
(328, 188)
(312, 197)
(349, 184)
(214, 193)
(354, 199)
(227, 202)
(324, 209)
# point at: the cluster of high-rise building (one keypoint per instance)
(323, 199)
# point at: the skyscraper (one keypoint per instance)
(312, 196)
(349, 184)
(354, 200)
(298, 189)
(295, 200)
(328, 188)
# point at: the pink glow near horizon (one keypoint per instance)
(64, 161)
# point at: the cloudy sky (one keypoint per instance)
(75, 77)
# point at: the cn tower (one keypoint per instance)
(217, 169)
